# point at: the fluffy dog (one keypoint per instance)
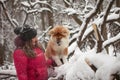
(57, 47)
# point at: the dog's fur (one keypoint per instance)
(57, 47)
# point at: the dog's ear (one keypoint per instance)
(68, 32)
(51, 32)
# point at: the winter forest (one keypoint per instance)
(94, 42)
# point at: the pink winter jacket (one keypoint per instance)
(31, 68)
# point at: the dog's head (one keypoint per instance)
(58, 33)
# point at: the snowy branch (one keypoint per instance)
(111, 40)
(87, 19)
(67, 2)
(44, 33)
(113, 17)
(73, 13)
(87, 33)
(37, 10)
(32, 4)
(7, 14)
(105, 18)
(7, 74)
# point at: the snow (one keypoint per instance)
(72, 47)
(90, 29)
(107, 70)
(113, 16)
(117, 37)
(38, 10)
(2, 1)
(25, 3)
(39, 2)
(10, 72)
(117, 23)
(78, 69)
(70, 11)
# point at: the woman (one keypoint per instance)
(29, 59)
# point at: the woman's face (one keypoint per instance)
(34, 41)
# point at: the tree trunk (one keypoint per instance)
(50, 17)
(1, 46)
(2, 54)
(118, 3)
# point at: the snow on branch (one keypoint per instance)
(39, 38)
(87, 19)
(37, 10)
(111, 40)
(8, 72)
(78, 38)
(109, 71)
(117, 23)
(25, 4)
(5, 74)
(113, 17)
(87, 33)
(73, 13)
(67, 2)
(70, 11)
(32, 4)
(6, 13)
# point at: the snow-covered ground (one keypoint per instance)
(78, 67)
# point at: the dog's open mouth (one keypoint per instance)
(58, 43)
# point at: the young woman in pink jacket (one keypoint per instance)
(29, 59)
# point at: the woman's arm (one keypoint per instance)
(20, 61)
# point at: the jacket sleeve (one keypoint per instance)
(20, 61)
(50, 62)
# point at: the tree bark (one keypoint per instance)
(50, 17)
(2, 54)
(1, 46)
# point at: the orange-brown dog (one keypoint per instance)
(57, 47)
